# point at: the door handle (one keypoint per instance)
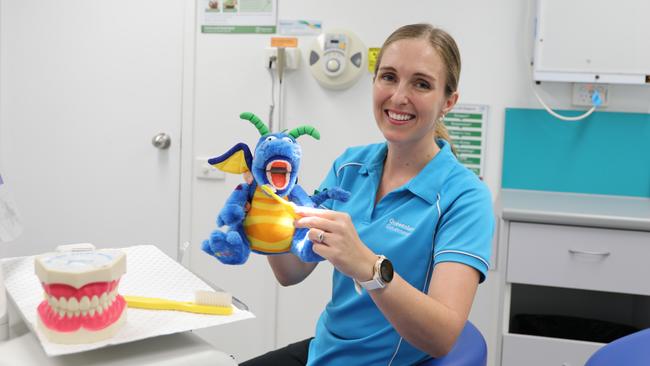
(161, 141)
(585, 252)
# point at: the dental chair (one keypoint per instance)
(470, 350)
(631, 350)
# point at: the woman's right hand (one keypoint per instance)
(336, 239)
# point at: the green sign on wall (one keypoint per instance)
(466, 124)
(238, 16)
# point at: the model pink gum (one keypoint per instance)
(98, 288)
(92, 311)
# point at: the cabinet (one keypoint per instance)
(575, 270)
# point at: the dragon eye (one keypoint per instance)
(271, 138)
(287, 139)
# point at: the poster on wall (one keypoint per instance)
(238, 16)
(300, 27)
(467, 125)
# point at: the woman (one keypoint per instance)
(429, 217)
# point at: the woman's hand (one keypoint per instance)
(335, 239)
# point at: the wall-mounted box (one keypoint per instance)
(592, 41)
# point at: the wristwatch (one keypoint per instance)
(382, 274)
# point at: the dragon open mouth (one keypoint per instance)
(278, 173)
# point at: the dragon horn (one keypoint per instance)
(255, 120)
(305, 130)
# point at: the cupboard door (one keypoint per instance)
(526, 350)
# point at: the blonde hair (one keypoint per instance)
(446, 47)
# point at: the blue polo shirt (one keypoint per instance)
(444, 214)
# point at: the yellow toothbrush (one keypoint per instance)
(290, 207)
(207, 302)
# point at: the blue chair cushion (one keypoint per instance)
(470, 350)
(631, 350)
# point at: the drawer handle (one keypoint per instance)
(600, 254)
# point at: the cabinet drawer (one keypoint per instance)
(579, 257)
(526, 350)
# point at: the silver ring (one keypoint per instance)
(321, 237)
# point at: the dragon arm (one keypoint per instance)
(233, 211)
(334, 193)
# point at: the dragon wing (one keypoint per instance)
(237, 160)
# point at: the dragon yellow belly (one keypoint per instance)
(268, 225)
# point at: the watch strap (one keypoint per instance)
(375, 283)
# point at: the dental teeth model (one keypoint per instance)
(81, 301)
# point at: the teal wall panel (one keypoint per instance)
(606, 153)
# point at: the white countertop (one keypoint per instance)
(170, 350)
(616, 212)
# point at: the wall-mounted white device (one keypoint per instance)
(597, 42)
(337, 59)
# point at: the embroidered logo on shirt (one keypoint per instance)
(398, 227)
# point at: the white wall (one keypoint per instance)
(229, 77)
(494, 38)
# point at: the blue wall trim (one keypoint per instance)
(606, 153)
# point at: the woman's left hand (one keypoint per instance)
(335, 239)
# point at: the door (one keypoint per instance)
(84, 87)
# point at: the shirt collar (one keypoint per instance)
(428, 182)
(376, 161)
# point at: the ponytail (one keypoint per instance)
(442, 133)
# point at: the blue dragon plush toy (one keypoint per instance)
(259, 213)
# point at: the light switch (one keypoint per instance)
(203, 170)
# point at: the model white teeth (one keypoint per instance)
(73, 304)
(73, 307)
(84, 305)
(399, 116)
(63, 303)
(53, 302)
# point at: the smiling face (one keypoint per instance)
(409, 92)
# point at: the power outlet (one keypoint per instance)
(582, 94)
(291, 57)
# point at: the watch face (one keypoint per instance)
(386, 271)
